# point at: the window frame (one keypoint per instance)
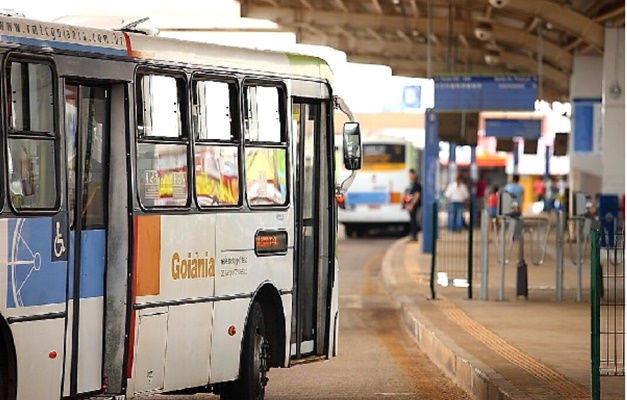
(236, 140)
(284, 143)
(183, 140)
(11, 133)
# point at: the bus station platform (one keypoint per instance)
(531, 348)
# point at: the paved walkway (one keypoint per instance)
(533, 348)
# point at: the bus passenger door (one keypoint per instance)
(312, 268)
(87, 115)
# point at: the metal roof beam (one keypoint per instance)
(377, 6)
(402, 49)
(307, 4)
(341, 5)
(611, 14)
(565, 18)
(414, 8)
(439, 26)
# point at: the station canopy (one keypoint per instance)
(491, 37)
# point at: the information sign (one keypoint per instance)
(484, 93)
(510, 128)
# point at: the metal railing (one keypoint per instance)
(607, 309)
(455, 249)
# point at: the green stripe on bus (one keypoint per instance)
(310, 66)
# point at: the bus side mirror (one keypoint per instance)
(352, 146)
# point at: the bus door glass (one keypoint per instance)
(310, 318)
(87, 133)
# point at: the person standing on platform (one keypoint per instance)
(493, 201)
(456, 193)
(412, 205)
(538, 189)
(516, 190)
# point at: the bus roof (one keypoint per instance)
(105, 42)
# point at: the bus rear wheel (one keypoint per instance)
(252, 381)
(7, 366)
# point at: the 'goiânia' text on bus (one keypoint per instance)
(192, 267)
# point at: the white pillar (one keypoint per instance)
(613, 112)
(586, 83)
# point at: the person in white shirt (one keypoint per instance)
(456, 193)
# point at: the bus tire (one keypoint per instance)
(7, 365)
(252, 381)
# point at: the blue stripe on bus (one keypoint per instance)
(33, 279)
(64, 45)
(92, 263)
(354, 198)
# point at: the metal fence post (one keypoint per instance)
(502, 258)
(471, 225)
(595, 316)
(485, 242)
(559, 256)
(434, 239)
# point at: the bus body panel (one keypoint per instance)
(175, 266)
(39, 375)
(188, 346)
(239, 269)
(175, 257)
(90, 330)
(33, 284)
(226, 347)
(148, 371)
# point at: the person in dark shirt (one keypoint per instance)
(412, 205)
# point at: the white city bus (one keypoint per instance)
(168, 214)
(375, 198)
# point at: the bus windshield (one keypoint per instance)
(383, 156)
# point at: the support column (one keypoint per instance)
(613, 112)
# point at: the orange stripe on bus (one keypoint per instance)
(148, 244)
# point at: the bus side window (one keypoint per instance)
(162, 151)
(266, 146)
(216, 150)
(32, 164)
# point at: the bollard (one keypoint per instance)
(521, 267)
(485, 227)
(559, 256)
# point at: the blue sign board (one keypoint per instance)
(586, 124)
(484, 93)
(411, 96)
(511, 128)
(430, 167)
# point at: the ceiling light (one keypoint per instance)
(498, 3)
(492, 57)
(483, 31)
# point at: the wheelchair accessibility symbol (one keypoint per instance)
(59, 241)
(58, 245)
